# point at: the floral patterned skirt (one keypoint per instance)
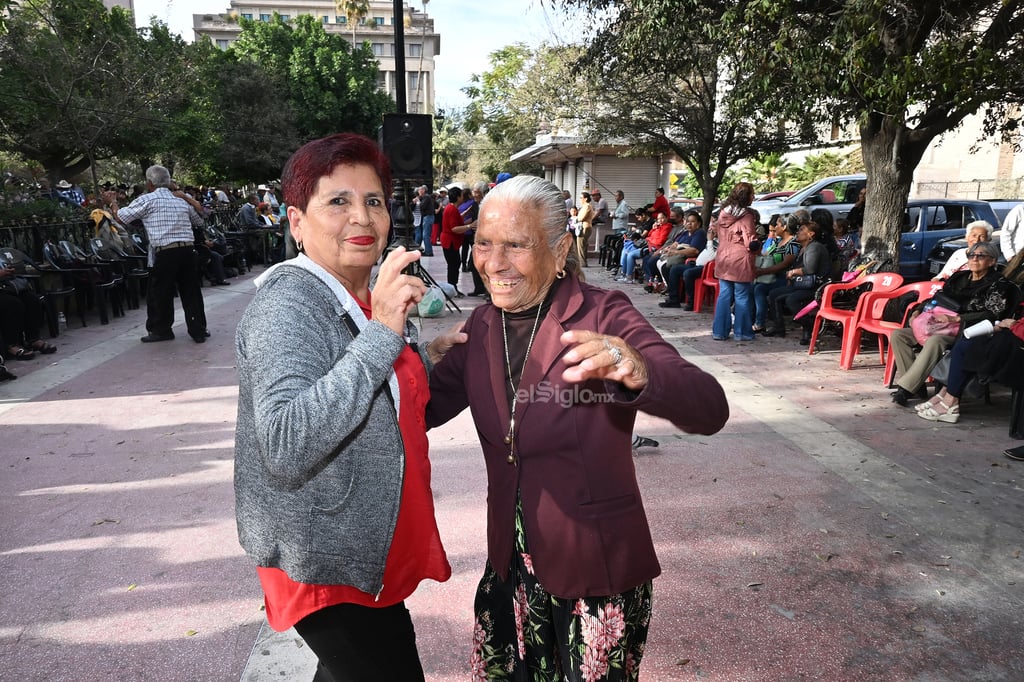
(524, 633)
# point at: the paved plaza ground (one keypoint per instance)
(824, 534)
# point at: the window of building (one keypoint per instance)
(247, 16)
(325, 20)
(378, 49)
(340, 20)
(379, 21)
(286, 17)
(414, 81)
(222, 43)
(264, 17)
(415, 50)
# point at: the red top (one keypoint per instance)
(416, 552)
(660, 206)
(658, 235)
(449, 219)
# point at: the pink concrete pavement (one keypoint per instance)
(823, 534)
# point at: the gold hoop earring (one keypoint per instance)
(560, 274)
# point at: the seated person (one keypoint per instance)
(781, 249)
(633, 248)
(979, 296)
(653, 261)
(845, 242)
(813, 261)
(21, 316)
(688, 272)
(248, 219)
(680, 255)
(988, 356)
(978, 231)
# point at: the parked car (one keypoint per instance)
(836, 193)
(774, 196)
(929, 222)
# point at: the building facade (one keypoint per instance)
(422, 43)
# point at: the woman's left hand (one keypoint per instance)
(599, 356)
(443, 343)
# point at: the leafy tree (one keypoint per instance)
(78, 84)
(524, 91)
(449, 147)
(354, 11)
(239, 127)
(331, 85)
(904, 72)
(673, 77)
(768, 173)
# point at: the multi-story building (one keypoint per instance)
(422, 43)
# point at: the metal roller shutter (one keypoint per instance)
(636, 177)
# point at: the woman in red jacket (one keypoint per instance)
(554, 372)
(452, 229)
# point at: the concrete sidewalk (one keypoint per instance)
(823, 534)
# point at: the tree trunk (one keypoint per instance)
(890, 157)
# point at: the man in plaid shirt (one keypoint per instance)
(168, 217)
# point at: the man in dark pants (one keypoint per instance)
(168, 217)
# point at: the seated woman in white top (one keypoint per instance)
(978, 231)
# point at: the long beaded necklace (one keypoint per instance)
(511, 436)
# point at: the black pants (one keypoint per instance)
(789, 300)
(21, 315)
(175, 269)
(467, 244)
(451, 258)
(356, 643)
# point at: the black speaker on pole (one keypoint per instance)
(407, 139)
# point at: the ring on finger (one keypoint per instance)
(614, 352)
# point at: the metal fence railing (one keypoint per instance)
(972, 189)
(30, 238)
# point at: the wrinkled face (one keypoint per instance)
(977, 234)
(478, 196)
(512, 255)
(344, 228)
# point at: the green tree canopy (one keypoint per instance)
(330, 85)
(80, 83)
(524, 91)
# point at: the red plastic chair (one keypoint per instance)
(706, 284)
(880, 281)
(871, 320)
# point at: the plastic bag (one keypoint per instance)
(432, 303)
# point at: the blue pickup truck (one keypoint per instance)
(927, 222)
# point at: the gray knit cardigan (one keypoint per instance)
(319, 458)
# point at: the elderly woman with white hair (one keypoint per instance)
(978, 231)
(554, 373)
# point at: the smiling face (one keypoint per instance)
(344, 228)
(512, 255)
(977, 234)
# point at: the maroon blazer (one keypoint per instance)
(585, 522)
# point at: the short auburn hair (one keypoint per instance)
(319, 158)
